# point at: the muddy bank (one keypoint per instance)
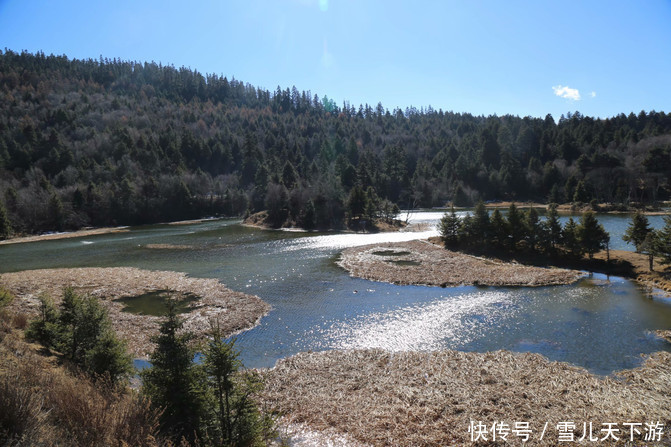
(236, 311)
(422, 263)
(429, 399)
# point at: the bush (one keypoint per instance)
(81, 329)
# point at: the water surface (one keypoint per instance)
(603, 324)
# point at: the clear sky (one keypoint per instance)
(484, 57)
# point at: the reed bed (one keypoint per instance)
(380, 398)
(422, 263)
(235, 311)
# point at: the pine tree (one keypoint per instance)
(449, 228)
(662, 246)
(5, 225)
(637, 231)
(533, 228)
(570, 238)
(239, 422)
(553, 226)
(174, 383)
(499, 229)
(516, 225)
(591, 234)
(481, 225)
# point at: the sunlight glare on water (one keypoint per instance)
(443, 324)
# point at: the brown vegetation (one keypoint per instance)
(44, 402)
(420, 262)
(235, 311)
(429, 399)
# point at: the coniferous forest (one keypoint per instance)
(109, 142)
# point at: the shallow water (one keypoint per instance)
(599, 323)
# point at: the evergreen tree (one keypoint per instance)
(449, 228)
(174, 383)
(553, 226)
(570, 238)
(357, 202)
(5, 225)
(239, 422)
(649, 247)
(662, 245)
(499, 229)
(591, 234)
(81, 329)
(516, 225)
(308, 216)
(637, 231)
(480, 228)
(533, 228)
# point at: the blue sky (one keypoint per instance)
(483, 57)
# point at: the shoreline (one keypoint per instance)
(424, 263)
(95, 231)
(236, 311)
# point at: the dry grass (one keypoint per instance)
(42, 403)
(435, 266)
(236, 311)
(428, 399)
(664, 334)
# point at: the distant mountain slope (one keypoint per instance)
(104, 142)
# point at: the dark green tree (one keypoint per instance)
(516, 225)
(499, 229)
(480, 229)
(449, 228)
(82, 330)
(553, 226)
(357, 203)
(239, 422)
(174, 383)
(5, 225)
(570, 238)
(533, 228)
(662, 245)
(591, 234)
(637, 231)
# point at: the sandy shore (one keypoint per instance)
(429, 399)
(65, 235)
(235, 311)
(420, 262)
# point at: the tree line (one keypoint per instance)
(523, 232)
(111, 142)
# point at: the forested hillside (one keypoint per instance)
(107, 142)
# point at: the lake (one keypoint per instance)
(603, 324)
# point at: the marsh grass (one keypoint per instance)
(423, 263)
(428, 399)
